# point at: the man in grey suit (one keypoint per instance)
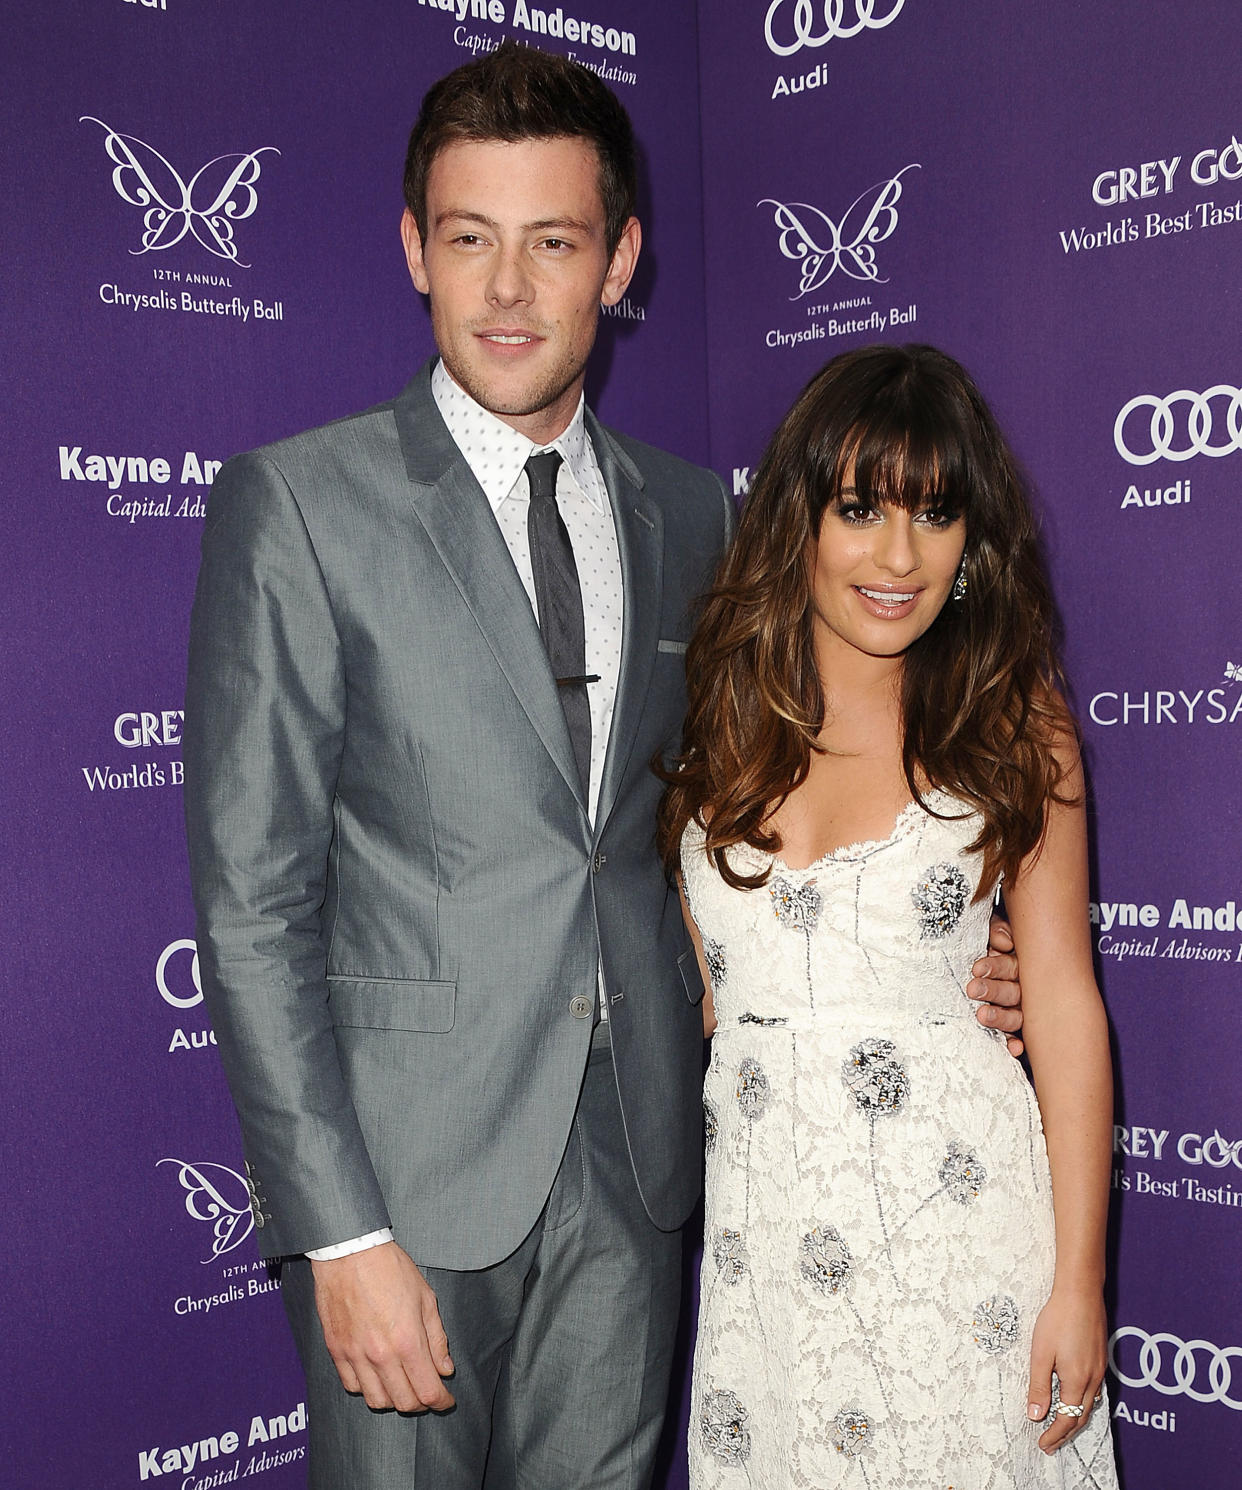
(434, 648)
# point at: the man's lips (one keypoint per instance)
(508, 336)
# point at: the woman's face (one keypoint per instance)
(880, 574)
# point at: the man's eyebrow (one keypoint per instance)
(460, 214)
(546, 224)
(540, 225)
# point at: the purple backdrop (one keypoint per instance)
(1052, 196)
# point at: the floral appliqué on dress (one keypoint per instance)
(853, 1433)
(995, 1325)
(729, 1254)
(825, 1260)
(723, 1427)
(876, 1081)
(752, 1089)
(711, 1125)
(717, 962)
(940, 897)
(796, 906)
(961, 1174)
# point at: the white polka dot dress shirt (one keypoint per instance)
(497, 454)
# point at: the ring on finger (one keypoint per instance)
(1067, 1410)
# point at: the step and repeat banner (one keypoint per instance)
(1053, 194)
(202, 255)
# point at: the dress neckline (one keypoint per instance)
(863, 849)
(847, 853)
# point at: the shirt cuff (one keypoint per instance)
(347, 1249)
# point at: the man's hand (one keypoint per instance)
(994, 981)
(381, 1324)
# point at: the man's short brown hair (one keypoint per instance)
(520, 93)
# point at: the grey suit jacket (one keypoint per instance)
(399, 891)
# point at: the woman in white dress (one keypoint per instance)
(903, 1264)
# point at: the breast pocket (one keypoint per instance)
(691, 977)
(424, 1005)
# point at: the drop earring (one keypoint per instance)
(959, 584)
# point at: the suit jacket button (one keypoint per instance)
(579, 1006)
(598, 862)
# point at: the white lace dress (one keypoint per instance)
(879, 1235)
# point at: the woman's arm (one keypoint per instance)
(1066, 1035)
(709, 1007)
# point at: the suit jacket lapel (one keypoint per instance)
(640, 542)
(455, 513)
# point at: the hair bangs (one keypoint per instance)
(907, 454)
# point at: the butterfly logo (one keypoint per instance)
(1233, 672)
(219, 1196)
(820, 246)
(218, 194)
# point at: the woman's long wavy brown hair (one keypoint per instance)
(981, 702)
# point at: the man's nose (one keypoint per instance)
(510, 282)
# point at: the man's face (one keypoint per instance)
(516, 266)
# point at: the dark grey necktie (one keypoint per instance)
(558, 597)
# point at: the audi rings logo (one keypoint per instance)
(810, 28)
(1164, 432)
(1176, 1368)
(177, 975)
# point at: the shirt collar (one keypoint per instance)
(496, 452)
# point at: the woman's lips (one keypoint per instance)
(888, 605)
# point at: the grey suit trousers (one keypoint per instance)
(565, 1345)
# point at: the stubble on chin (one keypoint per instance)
(515, 404)
(505, 398)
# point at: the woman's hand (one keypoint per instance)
(1071, 1338)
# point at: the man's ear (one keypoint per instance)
(624, 260)
(412, 241)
